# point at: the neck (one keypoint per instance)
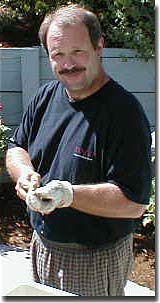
(82, 94)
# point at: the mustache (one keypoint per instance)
(73, 70)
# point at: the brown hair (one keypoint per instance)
(70, 15)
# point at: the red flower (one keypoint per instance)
(1, 107)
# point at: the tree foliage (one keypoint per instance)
(125, 23)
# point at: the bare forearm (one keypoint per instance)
(17, 161)
(106, 200)
(21, 170)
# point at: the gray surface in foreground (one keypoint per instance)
(16, 271)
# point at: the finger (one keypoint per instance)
(22, 187)
(42, 193)
(35, 181)
(22, 183)
(21, 193)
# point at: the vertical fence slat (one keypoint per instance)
(29, 74)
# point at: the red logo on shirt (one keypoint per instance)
(89, 155)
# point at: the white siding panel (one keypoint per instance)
(10, 81)
(134, 75)
(119, 53)
(29, 74)
(147, 101)
(12, 107)
(10, 64)
(10, 73)
(45, 69)
(43, 52)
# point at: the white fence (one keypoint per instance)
(23, 70)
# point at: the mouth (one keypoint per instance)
(72, 72)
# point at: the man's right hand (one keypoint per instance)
(28, 180)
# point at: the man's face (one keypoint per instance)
(73, 58)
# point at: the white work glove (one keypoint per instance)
(55, 194)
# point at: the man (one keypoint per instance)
(81, 161)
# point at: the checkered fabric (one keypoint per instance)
(80, 270)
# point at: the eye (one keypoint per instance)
(78, 51)
(56, 56)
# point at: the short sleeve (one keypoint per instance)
(32, 117)
(21, 134)
(129, 150)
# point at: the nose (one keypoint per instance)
(68, 63)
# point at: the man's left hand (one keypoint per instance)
(55, 194)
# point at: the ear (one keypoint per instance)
(100, 46)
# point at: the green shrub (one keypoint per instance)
(125, 23)
(149, 215)
(7, 18)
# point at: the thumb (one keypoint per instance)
(42, 193)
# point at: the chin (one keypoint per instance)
(74, 87)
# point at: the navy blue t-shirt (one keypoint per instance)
(102, 138)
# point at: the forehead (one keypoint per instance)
(69, 34)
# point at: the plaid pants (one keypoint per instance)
(81, 270)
